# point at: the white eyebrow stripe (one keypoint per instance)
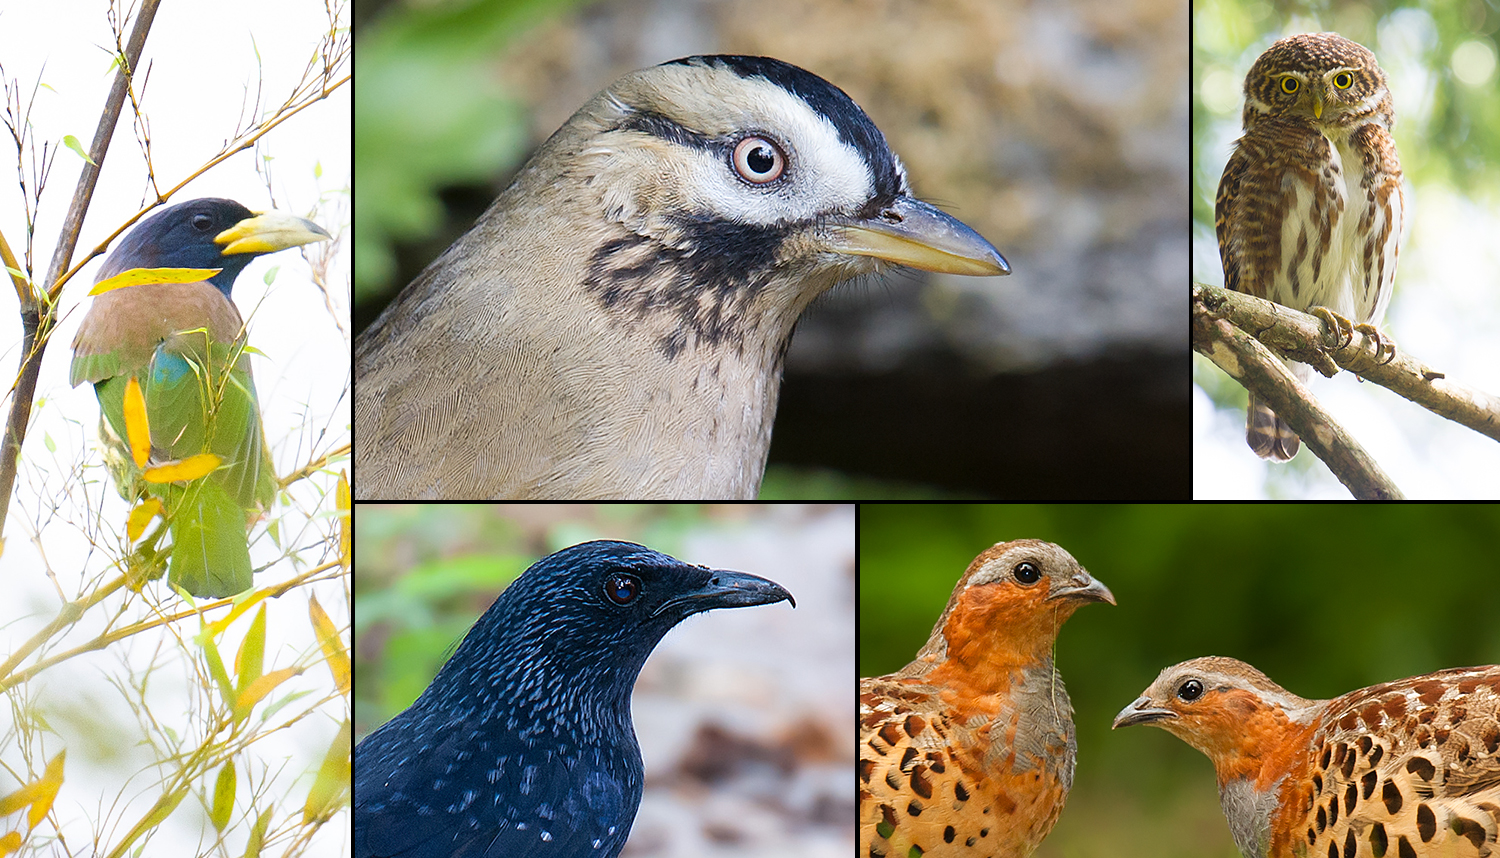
(824, 174)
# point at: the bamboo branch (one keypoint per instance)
(315, 465)
(37, 320)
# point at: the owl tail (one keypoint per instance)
(1268, 435)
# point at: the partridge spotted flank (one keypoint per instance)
(1407, 769)
(968, 750)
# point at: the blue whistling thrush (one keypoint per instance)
(522, 747)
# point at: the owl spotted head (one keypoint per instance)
(1322, 78)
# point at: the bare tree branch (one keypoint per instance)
(1221, 321)
(1306, 338)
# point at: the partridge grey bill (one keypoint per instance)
(911, 232)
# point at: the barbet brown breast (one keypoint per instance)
(1405, 769)
(969, 750)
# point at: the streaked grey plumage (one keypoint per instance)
(615, 324)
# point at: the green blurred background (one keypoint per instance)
(427, 571)
(1325, 599)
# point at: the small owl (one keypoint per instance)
(1309, 211)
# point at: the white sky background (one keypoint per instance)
(1445, 312)
(203, 73)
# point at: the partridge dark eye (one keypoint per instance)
(621, 589)
(1343, 80)
(1288, 85)
(1027, 573)
(1190, 690)
(758, 160)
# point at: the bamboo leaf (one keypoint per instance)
(72, 143)
(325, 795)
(137, 425)
(141, 516)
(344, 504)
(333, 646)
(223, 797)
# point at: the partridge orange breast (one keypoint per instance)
(969, 750)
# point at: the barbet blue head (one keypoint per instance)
(209, 233)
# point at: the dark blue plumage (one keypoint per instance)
(522, 747)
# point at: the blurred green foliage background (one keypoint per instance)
(430, 113)
(1325, 599)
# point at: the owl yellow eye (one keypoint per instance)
(1288, 85)
(1343, 80)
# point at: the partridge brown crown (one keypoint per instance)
(1407, 769)
(969, 750)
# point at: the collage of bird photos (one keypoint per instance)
(680, 680)
(942, 250)
(644, 418)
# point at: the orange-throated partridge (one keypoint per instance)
(1406, 769)
(968, 750)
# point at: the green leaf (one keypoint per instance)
(216, 669)
(258, 834)
(275, 705)
(72, 143)
(223, 797)
(250, 661)
(332, 783)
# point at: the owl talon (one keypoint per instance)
(1342, 327)
(1385, 347)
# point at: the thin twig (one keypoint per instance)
(37, 320)
(316, 465)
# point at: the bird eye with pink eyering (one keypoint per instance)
(757, 160)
